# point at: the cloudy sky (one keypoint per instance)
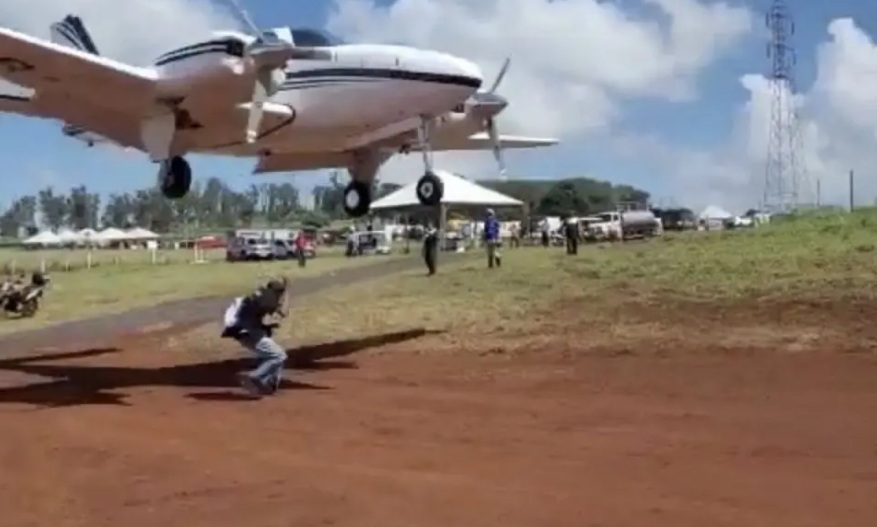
(668, 95)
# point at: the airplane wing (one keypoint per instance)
(22, 105)
(482, 142)
(96, 93)
(48, 67)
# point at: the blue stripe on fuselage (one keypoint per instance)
(351, 73)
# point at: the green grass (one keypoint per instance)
(109, 289)
(63, 260)
(828, 256)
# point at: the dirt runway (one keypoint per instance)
(146, 436)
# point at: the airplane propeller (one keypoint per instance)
(269, 57)
(491, 98)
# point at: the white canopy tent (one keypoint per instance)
(67, 237)
(45, 238)
(87, 235)
(110, 235)
(714, 212)
(457, 191)
(139, 233)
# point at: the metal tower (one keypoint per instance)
(784, 173)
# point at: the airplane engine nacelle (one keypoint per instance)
(200, 66)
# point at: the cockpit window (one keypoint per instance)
(313, 38)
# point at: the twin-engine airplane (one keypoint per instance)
(290, 97)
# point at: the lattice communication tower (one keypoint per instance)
(785, 175)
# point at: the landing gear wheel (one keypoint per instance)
(357, 199)
(430, 190)
(175, 177)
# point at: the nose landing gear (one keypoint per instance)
(174, 177)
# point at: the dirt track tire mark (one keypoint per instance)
(187, 312)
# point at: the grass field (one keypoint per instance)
(115, 288)
(772, 284)
(719, 379)
(63, 260)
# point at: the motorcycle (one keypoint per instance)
(23, 303)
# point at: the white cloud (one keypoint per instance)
(573, 60)
(838, 126)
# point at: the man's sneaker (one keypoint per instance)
(250, 385)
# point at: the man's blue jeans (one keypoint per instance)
(269, 372)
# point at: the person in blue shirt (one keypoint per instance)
(492, 239)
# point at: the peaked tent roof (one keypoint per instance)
(715, 213)
(111, 234)
(43, 238)
(458, 191)
(68, 236)
(139, 233)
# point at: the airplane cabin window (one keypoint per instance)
(313, 38)
(460, 108)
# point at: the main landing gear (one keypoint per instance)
(357, 198)
(175, 177)
(430, 189)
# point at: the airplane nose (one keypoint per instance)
(465, 68)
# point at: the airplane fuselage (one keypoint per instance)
(321, 105)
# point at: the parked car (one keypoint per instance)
(243, 249)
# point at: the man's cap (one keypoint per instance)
(490, 212)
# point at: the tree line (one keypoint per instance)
(212, 204)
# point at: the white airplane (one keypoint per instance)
(315, 104)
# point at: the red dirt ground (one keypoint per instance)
(436, 439)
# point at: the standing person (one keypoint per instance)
(515, 237)
(245, 322)
(571, 232)
(300, 245)
(492, 239)
(430, 248)
(545, 229)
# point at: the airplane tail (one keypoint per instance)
(71, 32)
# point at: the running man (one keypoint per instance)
(245, 322)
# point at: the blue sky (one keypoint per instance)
(37, 154)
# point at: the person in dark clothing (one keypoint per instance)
(245, 323)
(492, 239)
(571, 232)
(430, 249)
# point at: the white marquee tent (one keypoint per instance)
(139, 233)
(45, 238)
(715, 213)
(87, 235)
(111, 235)
(458, 191)
(66, 236)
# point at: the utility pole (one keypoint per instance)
(852, 191)
(818, 193)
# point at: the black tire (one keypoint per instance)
(357, 199)
(430, 190)
(176, 178)
(29, 308)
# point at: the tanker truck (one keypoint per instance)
(624, 225)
